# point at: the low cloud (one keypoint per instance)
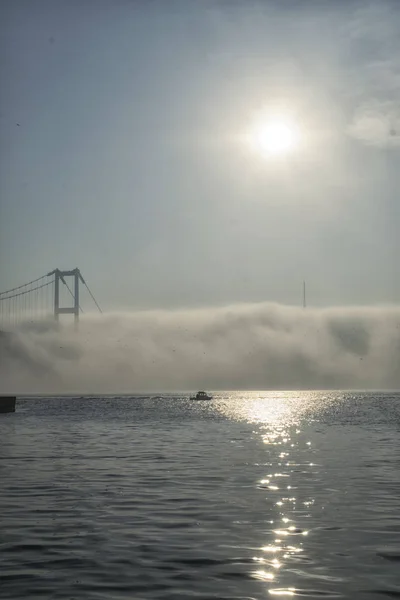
(261, 346)
(377, 124)
(373, 79)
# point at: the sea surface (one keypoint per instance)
(249, 496)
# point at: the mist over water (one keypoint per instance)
(253, 346)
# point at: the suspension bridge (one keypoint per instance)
(48, 296)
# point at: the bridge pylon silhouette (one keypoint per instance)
(60, 276)
(41, 299)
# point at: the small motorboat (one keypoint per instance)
(201, 396)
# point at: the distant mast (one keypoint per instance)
(304, 294)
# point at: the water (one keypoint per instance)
(249, 496)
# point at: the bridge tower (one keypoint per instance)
(60, 276)
(40, 297)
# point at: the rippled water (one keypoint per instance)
(248, 496)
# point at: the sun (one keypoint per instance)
(276, 137)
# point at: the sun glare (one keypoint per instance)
(276, 137)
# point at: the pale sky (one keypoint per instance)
(123, 152)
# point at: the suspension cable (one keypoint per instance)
(35, 299)
(93, 298)
(70, 291)
(28, 291)
(23, 285)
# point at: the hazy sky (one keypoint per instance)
(122, 149)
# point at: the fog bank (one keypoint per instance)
(262, 346)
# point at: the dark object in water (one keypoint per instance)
(201, 396)
(7, 404)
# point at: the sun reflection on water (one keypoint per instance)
(279, 420)
(264, 575)
(278, 409)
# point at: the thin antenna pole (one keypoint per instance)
(304, 294)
